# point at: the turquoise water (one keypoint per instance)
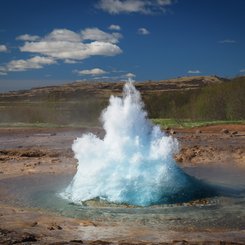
(223, 212)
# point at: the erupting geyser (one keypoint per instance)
(133, 164)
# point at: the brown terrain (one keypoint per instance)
(80, 103)
(33, 152)
(103, 89)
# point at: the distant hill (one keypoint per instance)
(104, 89)
(81, 103)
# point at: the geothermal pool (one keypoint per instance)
(222, 213)
(133, 164)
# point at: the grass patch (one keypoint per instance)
(162, 122)
(46, 125)
(187, 123)
(29, 125)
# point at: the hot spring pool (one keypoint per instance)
(224, 212)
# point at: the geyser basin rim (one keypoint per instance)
(133, 163)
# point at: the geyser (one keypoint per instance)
(134, 162)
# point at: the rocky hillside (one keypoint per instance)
(198, 98)
(104, 89)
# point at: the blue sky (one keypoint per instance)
(46, 42)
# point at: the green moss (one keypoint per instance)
(187, 123)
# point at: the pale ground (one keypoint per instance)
(26, 152)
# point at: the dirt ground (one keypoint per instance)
(223, 144)
(30, 151)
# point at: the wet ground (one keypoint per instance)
(36, 164)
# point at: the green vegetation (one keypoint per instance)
(162, 122)
(215, 103)
(172, 123)
(29, 125)
(84, 112)
(224, 101)
(45, 125)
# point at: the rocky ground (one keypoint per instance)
(26, 152)
(223, 144)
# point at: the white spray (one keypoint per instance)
(133, 163)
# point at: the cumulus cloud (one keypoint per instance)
(66, 45)
(68, 61)
(96, 34)
(242, 70)
(92, 72)
(227, 41)
(63, 35)
(27, 37)
(130, 75)
(36, 62)
(133, 6)
(3, 48)
(194, 72)
(114, 27)
(99, 74)
(63, 44)
(118, 6)
(70, 50)
(164, 2)
(143, 31)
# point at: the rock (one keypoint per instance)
(76, 241)
(179, 158)
(34, 224)
(99, 242)
(183, 242)
(234, 132)
(225, 131)
(28, 238)
(198, 131)
(172, 131)
(31, 153)
(186, 154)
(54, 226)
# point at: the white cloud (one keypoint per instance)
(69, 50)
(68, 61)
(133, 6)
(103, 78)
(36, 62)
(227, 41)
(114, 27)
(130, 75)
(92, 72)
(3, 73)
(3, 48)
(96, 34)
(118, 6)
(27, 37)
(194, 72)
(164, 2)
(68, 45)
(242, 70)
(143, 31)
(63, 35)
